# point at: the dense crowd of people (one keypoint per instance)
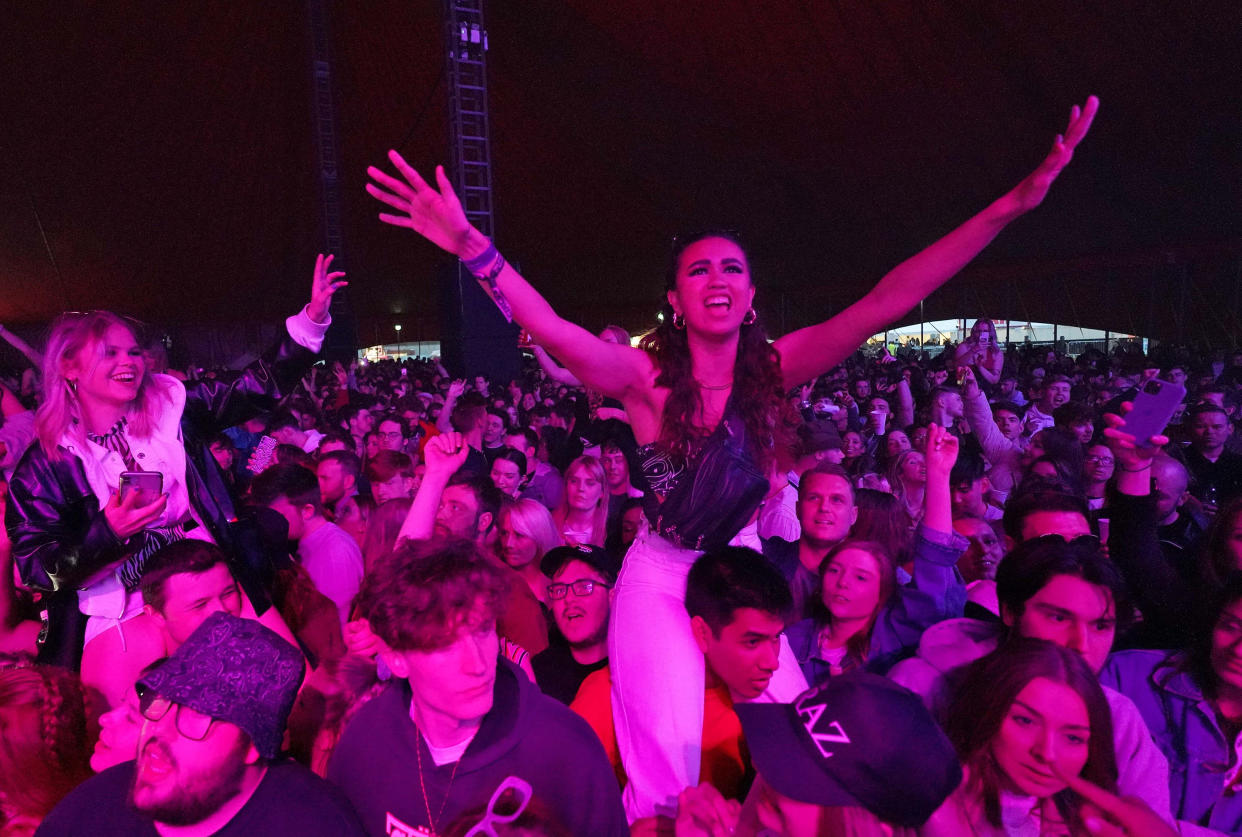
(705, 585)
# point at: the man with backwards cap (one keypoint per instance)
(858, 750)
(208, 755)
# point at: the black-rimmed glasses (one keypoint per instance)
(582, 587)
(190, 723)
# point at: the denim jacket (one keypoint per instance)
(1203, 790)
(936, 593)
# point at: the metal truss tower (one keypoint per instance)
(465, 42)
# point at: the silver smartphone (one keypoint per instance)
(148, 484)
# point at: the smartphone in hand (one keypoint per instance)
(147, 484)
(262, 456)
(1154, 406)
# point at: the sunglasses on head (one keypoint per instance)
(1089, 541)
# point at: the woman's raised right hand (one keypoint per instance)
(436, 216)
(127, 518)
(1110, 815)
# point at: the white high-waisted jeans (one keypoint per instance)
(658, 677)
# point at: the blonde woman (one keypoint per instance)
(583, 514)
(527, 532)
(75, 539)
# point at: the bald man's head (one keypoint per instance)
(1169, 482)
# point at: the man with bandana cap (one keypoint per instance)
(209, 752)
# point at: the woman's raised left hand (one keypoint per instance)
(323, 286)
(1031, 191)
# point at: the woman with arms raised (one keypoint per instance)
(705, 396)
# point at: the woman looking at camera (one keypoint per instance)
(1028, 719)
(865, 618)
(705, 396)
(105, 413)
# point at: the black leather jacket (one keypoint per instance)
(61, 537)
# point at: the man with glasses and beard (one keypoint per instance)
(208, 754)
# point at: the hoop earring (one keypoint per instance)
(750, 317)
(679, 322)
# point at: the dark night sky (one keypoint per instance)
(167, 149)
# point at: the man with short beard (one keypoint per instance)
(208, 755)
(1217, 471)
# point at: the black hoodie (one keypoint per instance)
(526, 734)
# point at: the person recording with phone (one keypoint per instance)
(981, 353)
(80, 533)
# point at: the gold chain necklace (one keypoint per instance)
(719, 388)
(418, 761)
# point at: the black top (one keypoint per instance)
(289, 800)
(1224, 475)
(476, 464)
(558, 674)
(701, 502)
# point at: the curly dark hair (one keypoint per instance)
(48, 735)
(417, 596)
(758, 386)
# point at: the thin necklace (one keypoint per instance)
(716, 388)
(418, 760)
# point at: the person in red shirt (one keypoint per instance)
(738, 606)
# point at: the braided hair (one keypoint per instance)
(45, 736)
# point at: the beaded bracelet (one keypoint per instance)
(476, 267)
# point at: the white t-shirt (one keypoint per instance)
(334, 562)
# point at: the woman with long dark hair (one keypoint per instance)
(1025, 717)
(1221, 554)
(1063, 454)
(705, 394)
(1191, 700)
(509, 471)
